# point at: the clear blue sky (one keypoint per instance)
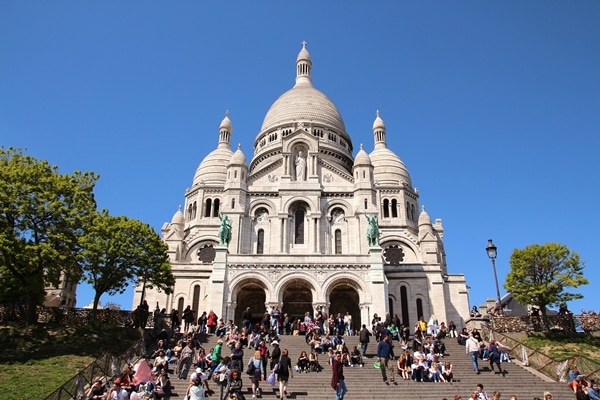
(493, 106)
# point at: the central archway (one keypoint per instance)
(344, 298)
(297, 298)
(252, 295)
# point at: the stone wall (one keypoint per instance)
(560, 323)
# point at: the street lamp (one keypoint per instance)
(491, 250)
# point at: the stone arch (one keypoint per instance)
(344, 295)
(297, 296)
(271, 209)
(190, 252)
(249, 292)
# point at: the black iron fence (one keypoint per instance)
(106, 367)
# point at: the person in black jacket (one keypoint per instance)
(275, 354)
(364, 338)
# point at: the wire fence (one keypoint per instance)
(551, 367)
(106, 368)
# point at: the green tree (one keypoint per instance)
(42, 214)
(117, 249)
(541, 274)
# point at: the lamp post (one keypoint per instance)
(491, 250)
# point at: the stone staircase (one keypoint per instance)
(366, 383)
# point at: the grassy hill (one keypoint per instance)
(36, 360)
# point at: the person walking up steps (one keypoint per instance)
(337, 377)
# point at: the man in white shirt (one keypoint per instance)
(117, 392)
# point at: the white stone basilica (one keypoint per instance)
(299, 225)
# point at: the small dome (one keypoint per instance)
(362, 158)
(303, 55)
(213, 169)
(226, 123)
(378, 124)
(388, 168)
(238, 157)
(178, 218)
(424, 218)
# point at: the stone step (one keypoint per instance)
(367, 383)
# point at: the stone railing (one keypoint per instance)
(69, 316)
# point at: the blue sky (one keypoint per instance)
(493, 106)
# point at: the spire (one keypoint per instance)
(225, 130)
(303, 66)
(379, 131)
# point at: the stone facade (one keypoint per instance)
(299, 213)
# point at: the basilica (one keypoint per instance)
(309, 223)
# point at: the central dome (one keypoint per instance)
(303, 103)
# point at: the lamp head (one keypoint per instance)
(491, 250)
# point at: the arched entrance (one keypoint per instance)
(344, 298)
(252, 295)
(297, 298)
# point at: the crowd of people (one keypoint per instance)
(419, 355)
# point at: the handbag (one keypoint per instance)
(251, 369)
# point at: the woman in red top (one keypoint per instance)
(211, 321)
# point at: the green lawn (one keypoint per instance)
(37, 360)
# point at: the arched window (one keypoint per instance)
(338, 241)
(207, 207)
(366, 204)
(190, 210)
(180, 306)
(420, 308)
(299, 227)
(232, 204)
(260, 241)
(391, 305)
(412, 212)
(196, 301)
(404, 306)
(407, 211)
(394, 208)
(386, 208)
(234, 174)
(364, 174)
(216, 208)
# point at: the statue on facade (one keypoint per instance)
(300, 166)
(224, 229)
(372, 230)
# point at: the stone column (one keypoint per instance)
(379, 282)
(217, 281)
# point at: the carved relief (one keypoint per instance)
(273, 275)
(328, 178)
(321, 276)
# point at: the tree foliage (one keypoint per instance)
(117, 249)
(541, 274)
(42, 214)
